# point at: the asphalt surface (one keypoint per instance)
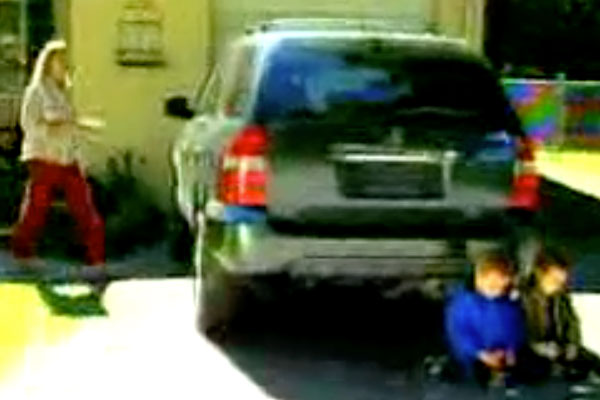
(358, 347)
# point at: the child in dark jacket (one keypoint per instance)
(552, 324)
(485, 327)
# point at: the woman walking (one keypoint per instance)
(50, 149)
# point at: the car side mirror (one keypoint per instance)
(178, 106)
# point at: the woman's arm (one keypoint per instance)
(89, 123)
(56, 116)
(56, 111)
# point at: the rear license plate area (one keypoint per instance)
(392, 176)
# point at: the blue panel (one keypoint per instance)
(237, 214)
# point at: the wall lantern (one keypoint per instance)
(140, 31)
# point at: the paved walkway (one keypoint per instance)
(146, 347)
(153, 262)
(577, 170)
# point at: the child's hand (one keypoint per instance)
(571, 352)
(492, 359)
(553, 350)
(548, 350)
(510, 358)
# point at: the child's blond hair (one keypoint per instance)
(495, 260)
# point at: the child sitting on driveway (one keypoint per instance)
(552, 323)
(484, 326)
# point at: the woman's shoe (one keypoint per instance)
(96, 276)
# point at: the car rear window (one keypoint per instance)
(309, 78)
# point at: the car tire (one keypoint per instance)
(216, 306)
(217, 295)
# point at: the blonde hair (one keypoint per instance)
(41, 64)
(554, 257)
(496, 261)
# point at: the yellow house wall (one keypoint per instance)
(130, 99)
(60, 8)
(232, 15)
(460, 18)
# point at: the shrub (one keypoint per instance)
(131, 215)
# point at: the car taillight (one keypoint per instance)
(526, 182)
(243, 170)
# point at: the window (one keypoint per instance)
(239, 91)
(207, 101)
(12, 63)
(357, 77)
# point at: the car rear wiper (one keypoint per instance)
(437, 111)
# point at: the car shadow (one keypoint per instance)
(342, 344)
(570, 219)
(349, 344)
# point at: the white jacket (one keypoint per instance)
(47, 118)
(50, 133)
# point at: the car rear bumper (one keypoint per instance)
(256, 249)
(245, 252)
(244, 242)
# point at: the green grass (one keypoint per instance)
(86, 305)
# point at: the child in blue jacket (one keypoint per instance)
(485, 328)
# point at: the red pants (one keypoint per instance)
(45, 180)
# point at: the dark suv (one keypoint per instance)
(324, 151)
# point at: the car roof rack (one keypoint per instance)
(336, 24)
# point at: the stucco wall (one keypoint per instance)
(452, 17)
(130, 99)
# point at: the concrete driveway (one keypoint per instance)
(146, 346)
